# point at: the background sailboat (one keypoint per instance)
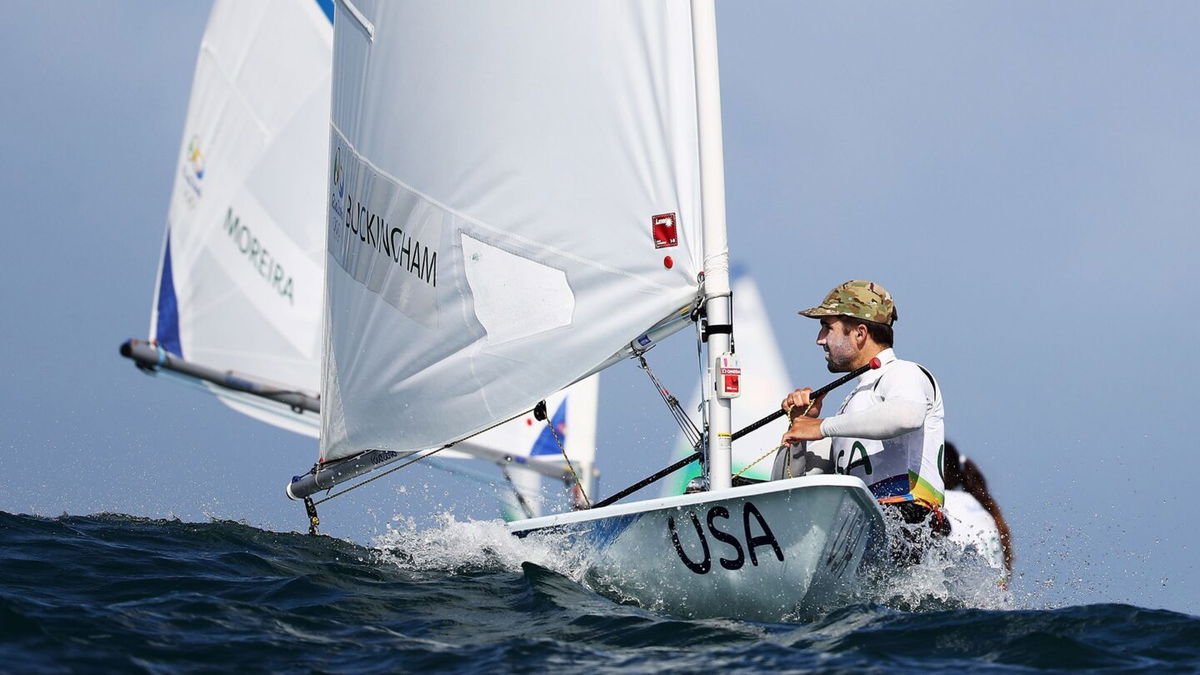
(237, 304)
(240, 280)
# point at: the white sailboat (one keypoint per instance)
(522, 195)
(238, 300)
(237, 305)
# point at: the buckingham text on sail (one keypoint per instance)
(405, 250)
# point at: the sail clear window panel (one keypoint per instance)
(515, 297)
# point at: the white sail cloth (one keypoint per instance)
(507, 184)
(240, 283)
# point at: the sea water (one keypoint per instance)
(120, 593)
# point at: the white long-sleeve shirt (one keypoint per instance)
(889, 431)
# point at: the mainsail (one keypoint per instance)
(240, 282)
(505, 217)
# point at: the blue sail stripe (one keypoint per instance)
(326, 7)
(167, 330)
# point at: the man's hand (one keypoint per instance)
(797, 403)
(803, 429)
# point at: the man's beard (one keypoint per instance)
(836, 366)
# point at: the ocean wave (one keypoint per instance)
(114, 592)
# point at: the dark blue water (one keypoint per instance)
(117, 593)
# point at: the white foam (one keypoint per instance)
(946, 577)
(474, 545)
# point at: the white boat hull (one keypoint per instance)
(770, 551)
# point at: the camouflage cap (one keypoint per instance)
(864, 300)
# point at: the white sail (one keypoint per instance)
(764, 383)
(503, 217)
(240, 282)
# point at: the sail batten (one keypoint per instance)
(514, 197)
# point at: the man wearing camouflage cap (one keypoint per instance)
(889, 430)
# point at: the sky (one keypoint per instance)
(1022, 176)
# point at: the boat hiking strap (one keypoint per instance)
(690, 432)
(539, 411)
(517, 492)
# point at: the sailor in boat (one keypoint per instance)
(889, 429)
(975, 518)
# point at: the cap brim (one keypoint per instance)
(818, 312)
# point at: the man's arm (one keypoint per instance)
(886, 419)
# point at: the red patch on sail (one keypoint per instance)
(665, 232)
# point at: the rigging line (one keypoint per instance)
(766, 455)
(389, 471)
(570, 467)
(427, 455)
(700, 370)
(778, 447)
(690, 432)
(677, 412)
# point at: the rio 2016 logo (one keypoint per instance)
(339, 175)
(337, 198)
(193, 170)
(195, 158)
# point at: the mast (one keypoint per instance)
(717, 296)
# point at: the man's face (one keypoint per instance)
(840, 348)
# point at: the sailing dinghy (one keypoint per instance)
(524, 194)
(237, 306)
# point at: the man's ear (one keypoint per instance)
(860, 335)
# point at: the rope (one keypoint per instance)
(408, 463)
(690, 432)
(570, 467)
(766, 455)
(778, 447)
(375, 478)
